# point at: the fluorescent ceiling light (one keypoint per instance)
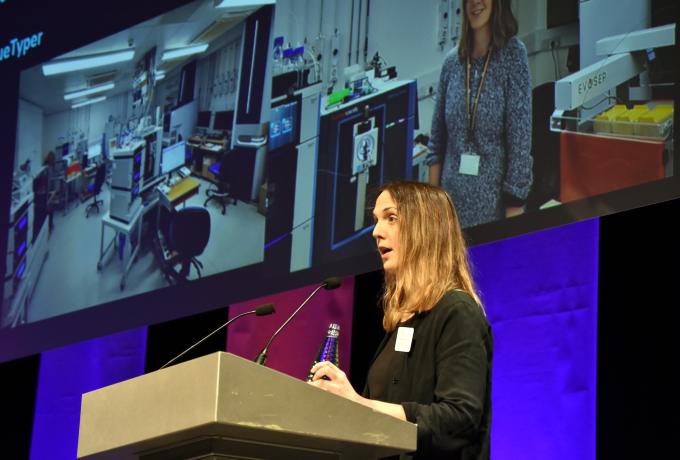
(242, 3)
(88, 102)
(89, 91)
(160, 75)
(87, 62)
(182, 52)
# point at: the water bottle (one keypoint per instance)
(329, 348)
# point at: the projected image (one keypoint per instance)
(571, 109)
(603, 100)
(568, 110)
(127, 175)
(247, 142)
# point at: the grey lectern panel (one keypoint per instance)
(222, 406)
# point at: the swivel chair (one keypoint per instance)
(188, 235)
(95, 189)
(221, 192)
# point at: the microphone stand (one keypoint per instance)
(258, 312)
(262, 356)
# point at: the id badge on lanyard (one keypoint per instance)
(470, 160)
(469, 164)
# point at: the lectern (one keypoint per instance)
(221, 406)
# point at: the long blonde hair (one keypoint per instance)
(432, 257)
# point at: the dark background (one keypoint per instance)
(638, 285)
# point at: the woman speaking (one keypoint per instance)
(433, 367)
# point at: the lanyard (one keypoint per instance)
(473, 115)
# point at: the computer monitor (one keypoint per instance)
(223, 120)
(94, 150)
(203, 119)
(173, 157)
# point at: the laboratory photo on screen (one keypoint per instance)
(127, 174)
(243, 142)
(522, 110)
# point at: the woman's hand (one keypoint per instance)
(337, 382)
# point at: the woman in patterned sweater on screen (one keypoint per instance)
(481, 125)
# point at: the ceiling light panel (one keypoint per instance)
(89, 91)
(183, 52)
(88, 102)
(86, 62)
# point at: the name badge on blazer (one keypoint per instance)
(404, 339)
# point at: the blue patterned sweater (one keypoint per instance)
(501, 137)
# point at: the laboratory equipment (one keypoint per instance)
(367, 141)
(626, 142)
(283, 124)
(288, 197)
(365, 155)
(153, 138)
(126, 180)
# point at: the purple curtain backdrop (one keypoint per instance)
(66, 373)
(294, 349)
(540, 294)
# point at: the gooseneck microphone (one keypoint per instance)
(329, 283)
(266, 309)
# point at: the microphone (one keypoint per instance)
(329, 283)
(266, 309)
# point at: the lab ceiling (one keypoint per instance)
(181, 27)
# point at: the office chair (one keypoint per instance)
(95, 189)
(221, 192)
(188, 235)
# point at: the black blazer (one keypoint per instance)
(444, 382)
